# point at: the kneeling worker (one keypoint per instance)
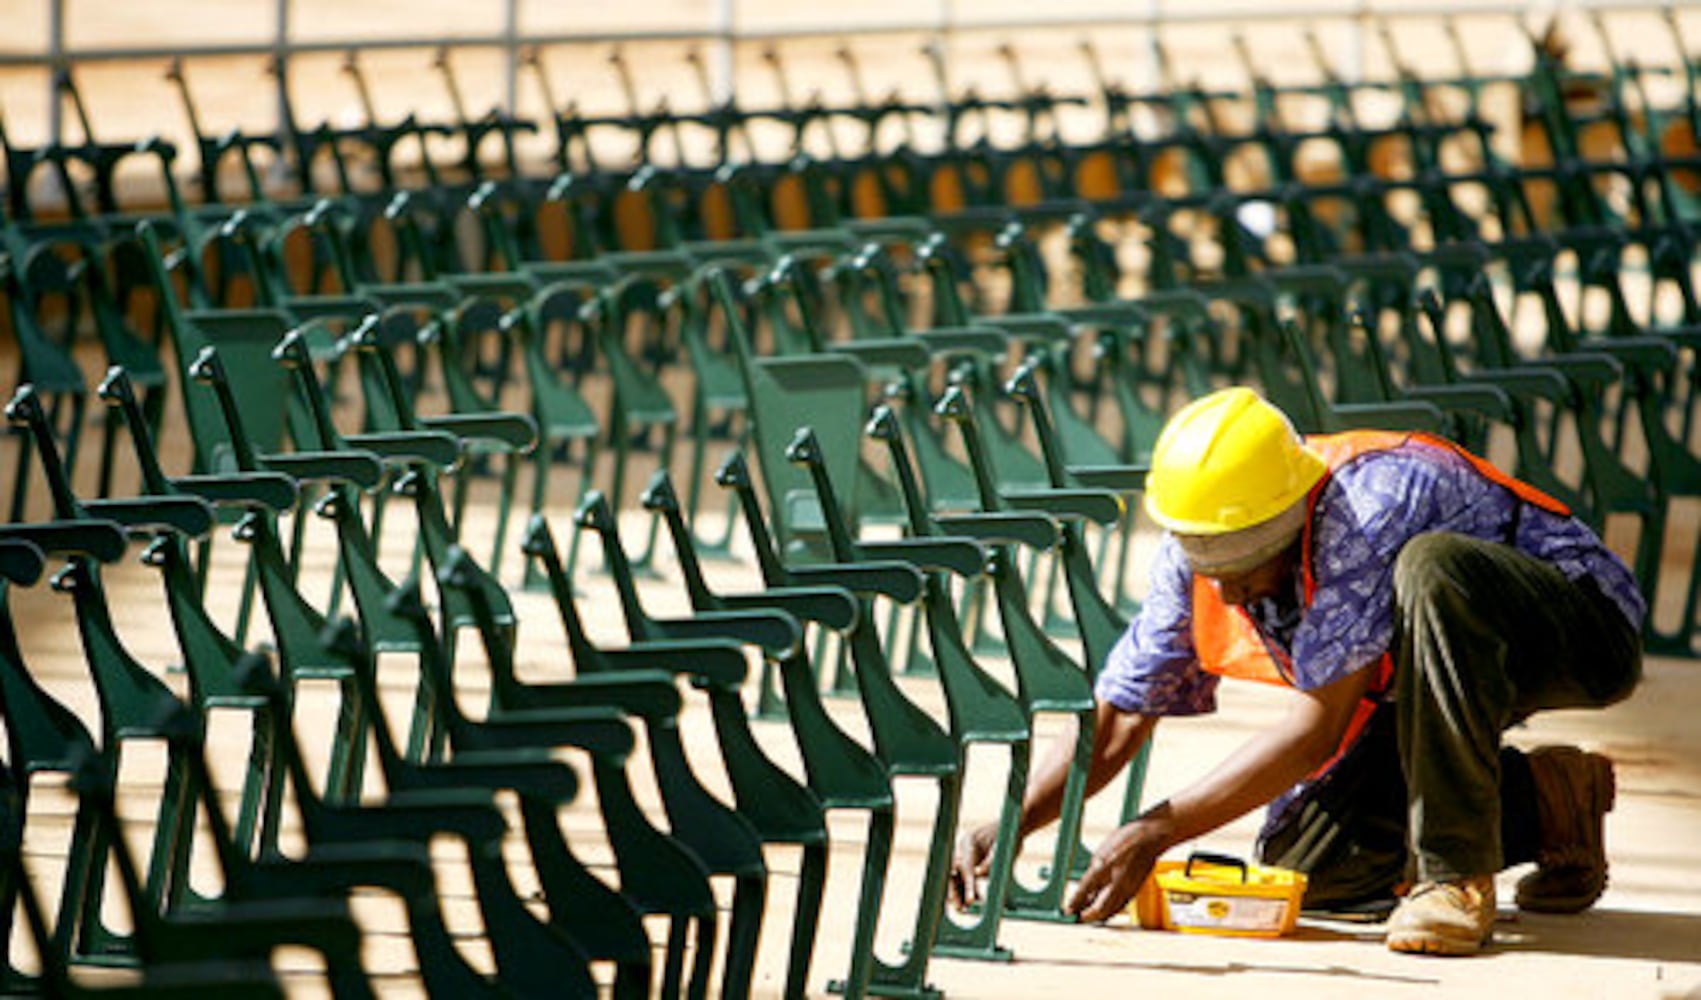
(1418, 602)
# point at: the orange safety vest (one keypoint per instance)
(1227, 642)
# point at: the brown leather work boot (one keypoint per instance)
(1574, 792)
(1444, 918)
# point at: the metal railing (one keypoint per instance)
(732, 25)
(725, 31)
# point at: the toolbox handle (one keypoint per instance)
(1220, 860)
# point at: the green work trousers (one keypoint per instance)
(1484, 636)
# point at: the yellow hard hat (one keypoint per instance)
(1228, 461)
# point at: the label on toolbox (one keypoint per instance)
(1239, 913)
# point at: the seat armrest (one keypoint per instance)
(1098, 506)
(961, 556)
(647, 693)
(1485, 399)
(102, 541)
(1116, 478)
(1036, 531)
(984, 341)
(515, 431)
(777, 633)
(714, 660)
(271, 491)
(435, 448)
(1413, 415)
(898, 581)
(360, 469)
(189, 516)
(830, 607)
(599, 730)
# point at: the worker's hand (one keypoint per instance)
(972, 862)
(1117, 870)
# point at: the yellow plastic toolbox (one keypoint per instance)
(1218, 894)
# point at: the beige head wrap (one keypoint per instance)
(1250, 547)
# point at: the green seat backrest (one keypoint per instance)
(244, 339)
(822, 391)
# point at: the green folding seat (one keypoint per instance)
(61, 285)
(1384, 324)
(489, 756)
(494, 755)
(653, 290)
(310, 645)
(830, 608)
(1284, 359)
(614, 309)
(1116, 331)
(386, 845)
(223, 945)
(49, 366)
(1648, 410)
(21, 565)
(1050, 681)
(531, 310)
(136, 706)
(908, 741)
(557, 405)
(787, 392)
(214, 977)
(724, 841)
(215, 150)
(636, 340)
(1530, 394)
(485, 433)
(1077, 438)
(1340, 309)
(88, 167)
(507, 754)
(43, 737)
(842, 772)
(781, 810)
(982, 711)
(413, 455)
(1099, 619)
(1607, 484)
(130, 697)
(206, 652)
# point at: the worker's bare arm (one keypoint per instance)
(1117, 736)
(1267, 765)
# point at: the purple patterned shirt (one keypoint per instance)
(1371, 507)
